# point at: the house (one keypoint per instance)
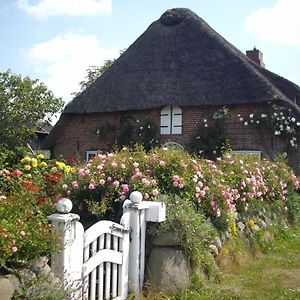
(179, 74)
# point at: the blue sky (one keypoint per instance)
(57, 40)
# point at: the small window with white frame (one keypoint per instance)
(171, 120)
(90, 154)
(256, 153)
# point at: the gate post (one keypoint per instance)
(67, 263)
(140, 213)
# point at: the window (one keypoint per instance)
(247, 152)
(90, 154)
(171, 120)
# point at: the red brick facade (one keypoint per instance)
(79, 133)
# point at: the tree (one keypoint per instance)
(93, 72)
(24, 105)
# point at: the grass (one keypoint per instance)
(273, 275)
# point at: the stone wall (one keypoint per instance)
(169, 268)
(30, 280)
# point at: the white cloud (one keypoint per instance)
(62, 61)
(45, 8)
(280, 24)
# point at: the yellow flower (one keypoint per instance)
(43, 164)
(72, 170)
(251, 223)
(27, 167)
(233, 229)
(25, 160)
(40, 156)
(34, 163)
(60, 165)
(67, 169)
(224, 251)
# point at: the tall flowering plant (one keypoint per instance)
(220, 189)
(279, 119)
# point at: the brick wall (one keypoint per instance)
(79, 132)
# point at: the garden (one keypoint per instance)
(241, 201)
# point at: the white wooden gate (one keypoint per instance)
(105, 261)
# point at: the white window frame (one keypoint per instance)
(171, 120)
(247, 152)
(90, 154)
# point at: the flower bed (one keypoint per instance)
(216, 194)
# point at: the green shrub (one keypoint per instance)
(24, 229)
(195, 233)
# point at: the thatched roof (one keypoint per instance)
(180, 60)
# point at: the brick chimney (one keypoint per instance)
(256, 56)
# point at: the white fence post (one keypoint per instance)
(140, 213)
(67, 264)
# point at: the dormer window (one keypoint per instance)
(171, 120)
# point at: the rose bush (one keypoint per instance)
(222, 191)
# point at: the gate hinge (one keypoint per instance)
(118, 229)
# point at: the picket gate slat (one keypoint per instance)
(100, 271)
(115, 270)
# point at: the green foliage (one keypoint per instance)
(94, 72)
(200, 193)
(130, 132)
(192, 229)
(210, 140)
(24, 105)
(280, 120)
(24, 229)
(10, 158)
(41, 288)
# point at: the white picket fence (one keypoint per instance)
(107, 260)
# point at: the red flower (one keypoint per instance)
(52, 178)
(28, 185)
(72, 160)
(40, 199)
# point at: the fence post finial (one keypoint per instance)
(67, 263)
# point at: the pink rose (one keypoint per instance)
(125, 188)
(116, 183)
(145, 182)
(200, 184)
(155, 192)
(16, 173)
(91, 186)
(75, 185)
(175, 183)
(22, 233)
(202, 193)
(175, 178)
(14, 249)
